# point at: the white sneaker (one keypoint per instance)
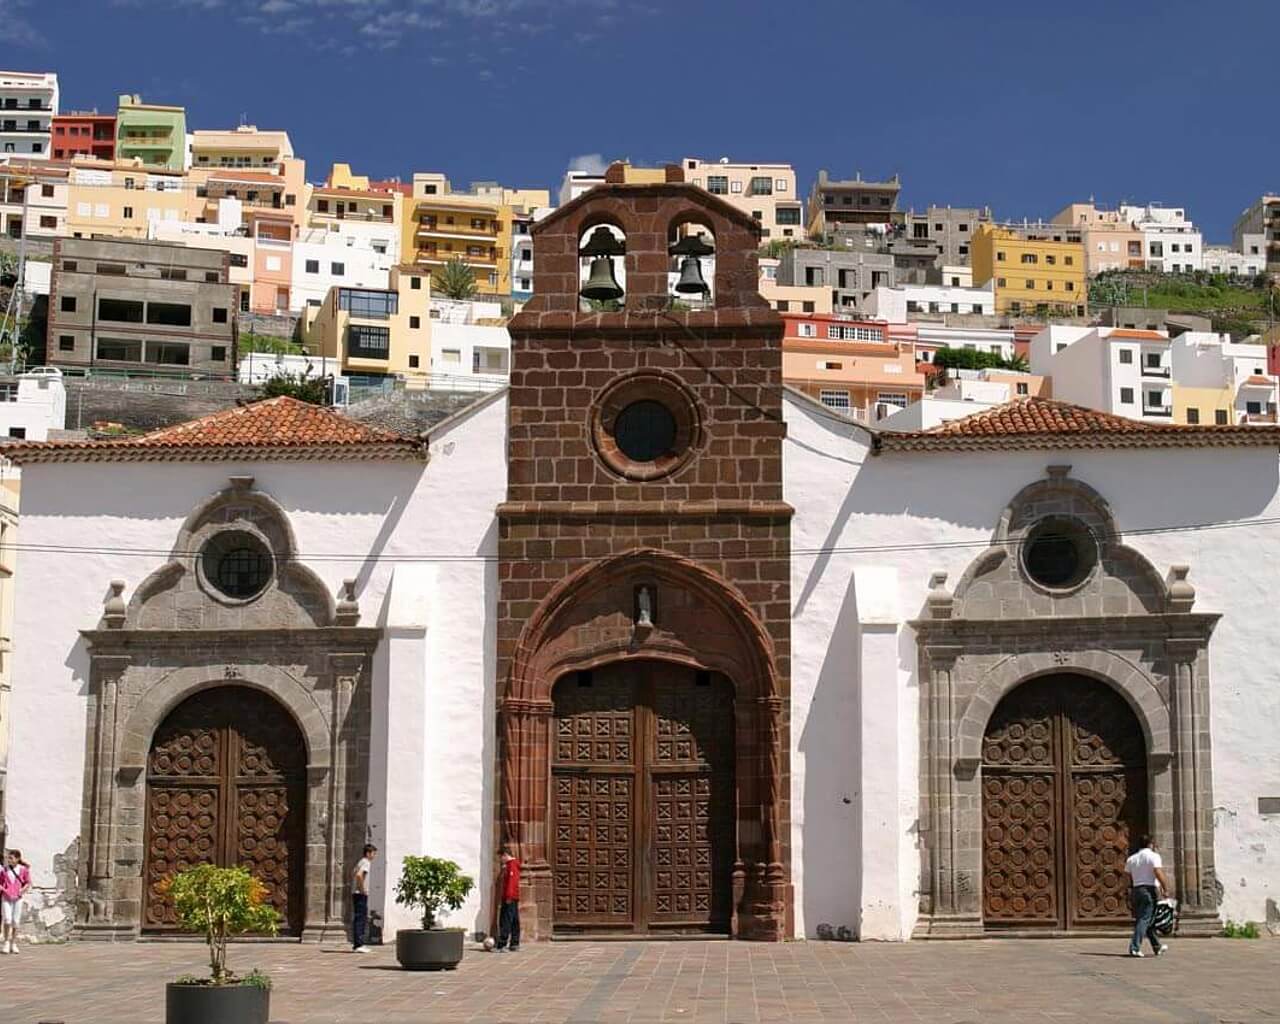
(4, 948)
(13, 948)
(362, 949)
(1162, 950)
(1137, 953)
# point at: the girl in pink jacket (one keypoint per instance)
(15, 880)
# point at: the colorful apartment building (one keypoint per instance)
(764, 192)
(1260, 222)
(474, 226)
(376, 332)
(849, 365)
(791, 298)
(1110, 241)
(152, 133)
(28, 103)
(246, 146)
(122, 198)
(84, 133)
(1038, 269)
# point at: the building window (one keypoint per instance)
(122, 311)
(1126, 356)
(1220, 417)
(373, 305)
(760, 187)
(735, 187)
(1028, 257)
(892, 398)
(780, 184)
(236, 563)
(219, 314)
(18, 433)
(218, 353)
(1031, 284)
(415, 283)
(1001, 282)
(322, 206)
(645, 431)
(838, 400)
(366, 342)
(415, 322)
(1253, 408)
(1000, 256)
(1023, 388)
(66, 343)
(128, 213)
(806, 330)
(1193, 415)
(1059, 553)
(120, 350)
(49, 222)
(169, 314)
(169, 353)
(783, 305)
(1126, 396)
(717, 184)
(313, 266)
(337, 269)
(807, 306)
(211, 276)
(1069, 260)
(413, 362)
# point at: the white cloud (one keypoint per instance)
(17, 28)
(589, 163)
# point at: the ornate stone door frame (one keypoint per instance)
(553, 644)
(999, 630)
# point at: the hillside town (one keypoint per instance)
(739, 555)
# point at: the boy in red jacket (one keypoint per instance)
(508, 902)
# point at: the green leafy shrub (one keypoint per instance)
(220, 903)
(1246, 930)
(430, 884)
(298, 385)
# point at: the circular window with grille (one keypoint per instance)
(1059, 553)
(237, 564)
(645, 426)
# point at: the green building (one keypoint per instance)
(155, 134)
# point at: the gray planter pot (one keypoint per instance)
(439, 949)
(216, 1004)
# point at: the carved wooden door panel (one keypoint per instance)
(226, 785)
(593, 780)
(1063, 789)
(690, 861)
(644, 806)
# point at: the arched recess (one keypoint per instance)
(696, 619)
(1119, 623)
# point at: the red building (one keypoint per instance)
(88, 134)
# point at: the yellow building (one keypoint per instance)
(119, 198)
(1203, 406)
(1038, 269)
(246, 147)
(791, 298)
(376, 332)
(474, 226)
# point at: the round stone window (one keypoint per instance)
(645, 426)
(1059, 553)
(645, 431)
(237, 564)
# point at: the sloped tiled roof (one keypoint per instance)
(274, 429)
(1047, 423)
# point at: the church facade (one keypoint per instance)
(713, 659)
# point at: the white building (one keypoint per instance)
(260, 367)
(522, 250)
(917, 301)
(968, 392)
(467, 357)
(899, 664)
(340, 259)
(1115, 370)
(28, 102)
(1204, 363)
(33, 195)
(925, 339)
(32, 404)
(1171, 243)
(1221, 259)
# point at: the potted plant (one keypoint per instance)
(220, 902)
(430, 884)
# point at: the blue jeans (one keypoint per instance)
(509, 924)
(1144, 918)
(359, 918)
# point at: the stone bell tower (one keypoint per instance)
(644, 610)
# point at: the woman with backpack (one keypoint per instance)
(15, 880)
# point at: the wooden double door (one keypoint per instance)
(226, 785)
(644, 805)
(1064, 797)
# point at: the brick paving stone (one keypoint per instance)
(992, 982)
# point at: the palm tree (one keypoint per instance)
(1017, 362)
(455, 280)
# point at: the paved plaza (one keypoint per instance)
(1025, 981)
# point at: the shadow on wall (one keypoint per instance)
(830, 834)
(486, 876)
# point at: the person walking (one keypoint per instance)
(1147, 878)
(360, 899)
(508, 902)
(15, 880)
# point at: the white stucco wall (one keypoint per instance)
(846, 499)
(360, 520)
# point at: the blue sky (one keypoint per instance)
(1023, 106)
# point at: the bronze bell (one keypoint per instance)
(602, 243)
(601, 284)
(691, 281)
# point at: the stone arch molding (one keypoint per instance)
(1139, 690)
(154, 707)
(1123, 625)
(175, 595)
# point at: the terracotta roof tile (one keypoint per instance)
(1048, 423)
(277, 428)
(1262, 382)
(1127, 332)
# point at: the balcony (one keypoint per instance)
(1162, 411)
(1156, 371)
(428, 229)
(363, 217)
(444, 257)
(8, 129)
